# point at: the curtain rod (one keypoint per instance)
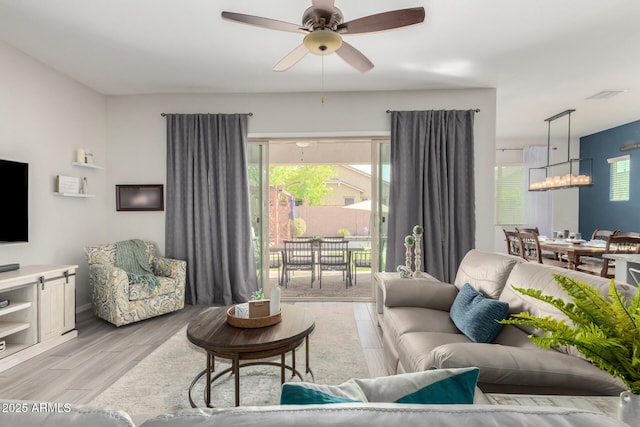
(164, 114)
(477, 110)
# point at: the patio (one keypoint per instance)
(333, 287)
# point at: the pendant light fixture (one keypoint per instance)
(572, 173)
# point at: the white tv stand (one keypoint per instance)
(40, 314)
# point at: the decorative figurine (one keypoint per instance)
(417, 234)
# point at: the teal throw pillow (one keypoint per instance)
(477, 316)
(437, 386)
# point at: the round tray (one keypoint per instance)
(252, 322)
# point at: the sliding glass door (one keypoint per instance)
(383, 176)
(257, 197)
(292, 197)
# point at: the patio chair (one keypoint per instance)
(335, 256)
(334, 239)
(297, 255)
(360, 259)
(275, 261)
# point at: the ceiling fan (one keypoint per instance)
(324, 26)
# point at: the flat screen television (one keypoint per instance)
(14, 222)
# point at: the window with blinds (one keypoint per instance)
(619, 178)
(509, 189)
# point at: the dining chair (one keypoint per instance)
(297, 255)
(536, 231)
(360, 259)
(617, 243)
(530, 230)
(335, 256)
(513, 243)
(530, 250)
(602, 234)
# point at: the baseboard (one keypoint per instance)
(82, 308)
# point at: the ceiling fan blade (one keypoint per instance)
(291, 59)
(383, 21)
(354, 57)
(327, 5)
(259, 21)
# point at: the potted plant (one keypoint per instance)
(606, 330)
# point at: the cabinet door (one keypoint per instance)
(70, 304)
(52, 302)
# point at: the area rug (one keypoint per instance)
(160, 382)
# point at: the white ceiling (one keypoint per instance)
(543, 56)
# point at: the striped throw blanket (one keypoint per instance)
(131, 256)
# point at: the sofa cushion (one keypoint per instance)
(400, 320)
(418, 293)
(548, 371)
(441, 386)
(37, 413)
(414, 348)
(476, 316)
(384, 414)
(140, 291)
(487, 272)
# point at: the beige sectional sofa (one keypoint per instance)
(418, 333)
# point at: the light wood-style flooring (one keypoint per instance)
(82, 368)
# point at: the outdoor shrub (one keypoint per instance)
(344, 232)
(298, 227)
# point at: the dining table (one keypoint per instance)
(352, 247)
(572, 250)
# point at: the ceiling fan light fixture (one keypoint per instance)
(322, 42)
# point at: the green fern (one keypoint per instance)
(604, 329)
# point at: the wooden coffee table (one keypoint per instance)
(211, 332)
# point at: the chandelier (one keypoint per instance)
(572, 173)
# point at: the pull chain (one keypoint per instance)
(322, 91)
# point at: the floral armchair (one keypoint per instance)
(117, 301)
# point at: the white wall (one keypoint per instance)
(137, 137)
(45, 118)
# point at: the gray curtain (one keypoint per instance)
(208, 216)
(432, 184)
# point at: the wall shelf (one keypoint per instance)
(87, 165)
(73, 195)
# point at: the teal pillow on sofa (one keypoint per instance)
(477, 316)
(437, 386)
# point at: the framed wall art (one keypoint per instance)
(140, 197)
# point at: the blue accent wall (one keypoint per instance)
(596, 210)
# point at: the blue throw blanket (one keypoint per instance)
(131, 256)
